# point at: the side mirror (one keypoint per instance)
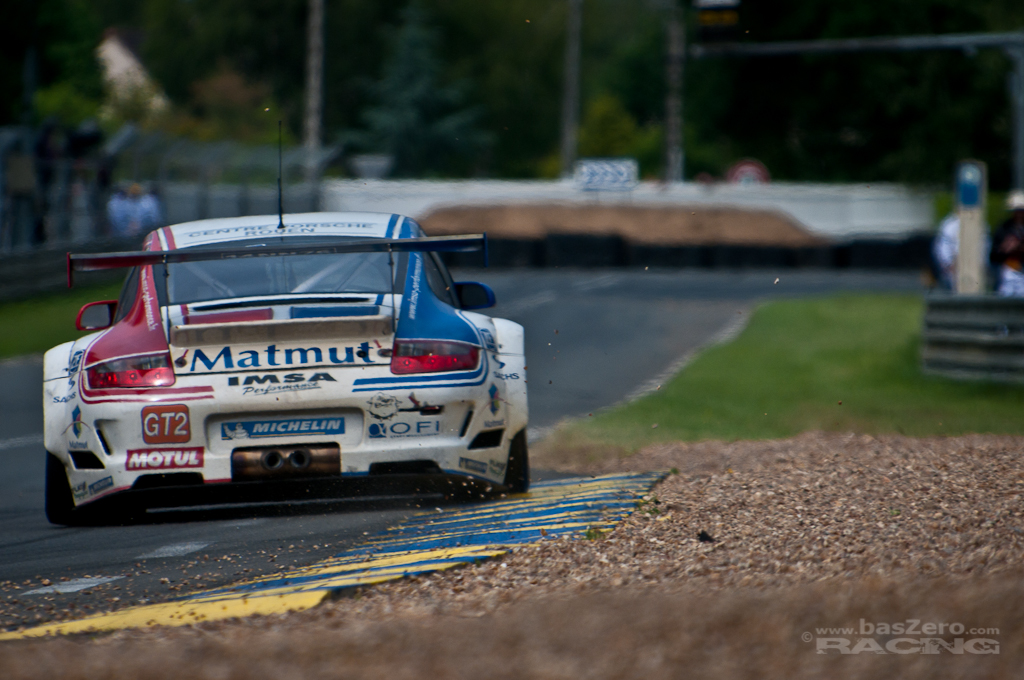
(96, 316)
(474, 295)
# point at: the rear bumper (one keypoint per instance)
(465, 430)
(180, 494)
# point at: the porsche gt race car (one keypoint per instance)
(247, 358)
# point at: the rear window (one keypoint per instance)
(190, 282)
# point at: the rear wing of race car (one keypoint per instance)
(101, 261)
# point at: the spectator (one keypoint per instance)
(946, 248)
(1008, 248)
(149, 211)
(133, 212)
(944, 251)
(117, 212)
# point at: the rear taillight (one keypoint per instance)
(433, 356)
(152, 370)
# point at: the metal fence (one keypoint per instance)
(46, 197)
(974, 337)
(55, 186)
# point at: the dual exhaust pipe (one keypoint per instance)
(273, 459)
(278, 462)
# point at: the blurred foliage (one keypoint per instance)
(133, 105)
(608, 130)
(225, 106)
(65, 34)
(63, 101)
(894, 116)
(421, 123)
(904, 117)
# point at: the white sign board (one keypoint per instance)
(607, 174)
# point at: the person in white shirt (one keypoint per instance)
(946, 248)
(133, 212)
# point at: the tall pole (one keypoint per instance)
(30, 73)
(28, 78)
(314, 82)
(674, 97)
(571, 88)
(1016, 54)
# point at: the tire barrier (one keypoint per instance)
(588, 251)
(584, 250)
(429, 541)
(974, 337)
(881, 254)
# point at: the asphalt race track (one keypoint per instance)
(593, 337)
(428, 542)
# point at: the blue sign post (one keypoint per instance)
(970, 180)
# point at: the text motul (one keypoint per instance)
(164, 459)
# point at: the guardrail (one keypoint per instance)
(974, 337)
(46, 270)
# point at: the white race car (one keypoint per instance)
(256, 358)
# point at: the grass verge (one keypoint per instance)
(845, 363)
(36, 324)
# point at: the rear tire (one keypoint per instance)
(60, 505)
(517, 474)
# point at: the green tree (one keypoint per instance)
(64, 35)
(421, 122)
(609, 130)
(226, 106)
(857, 117)
(865, 117)
(190, 41)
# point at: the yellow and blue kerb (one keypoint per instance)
(429, 541)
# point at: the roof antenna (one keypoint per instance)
(280, 199)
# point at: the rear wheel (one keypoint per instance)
(517, 474)
(60, 506)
